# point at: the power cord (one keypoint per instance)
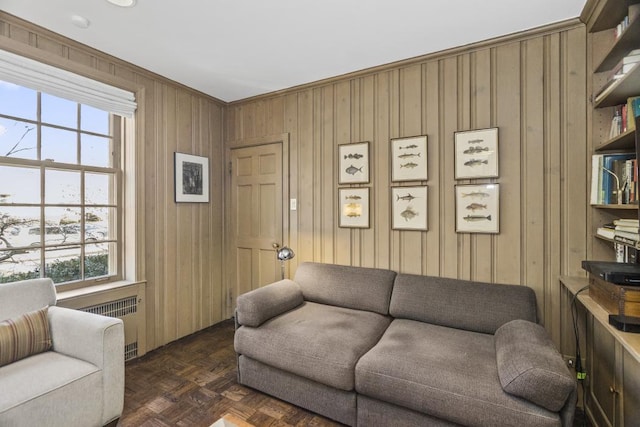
(581, 375)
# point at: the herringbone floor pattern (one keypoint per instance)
(192, 382)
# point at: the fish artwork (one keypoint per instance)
(479, 194)
(407, 197)
(476, 218)
(475, 150)
(352, 205)
(352, 170)
(354, 156)
(475, 141)
(353, 197)
(353, 214)
(407, 155)
(409, 165)
(476, 162)
(476, 206)
(409, 213)
(408, 147)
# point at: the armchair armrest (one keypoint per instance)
(95, 339)
(256, 307)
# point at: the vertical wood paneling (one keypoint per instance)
(532, 89)
(182, 243)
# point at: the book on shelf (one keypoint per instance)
(612, 179)
(628, 234)
(626, 222)
(631, 242)
(607, 233)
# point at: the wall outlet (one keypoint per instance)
(293, 203)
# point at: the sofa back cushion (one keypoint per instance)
(359, 288)
(461, 304)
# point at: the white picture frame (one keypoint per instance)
(354, 207)
(476, 153)
(353, 161)
(191, 178)
(409, 159)
(478, 208)
(409, 208)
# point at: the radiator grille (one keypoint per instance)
(119, 308)
(124, 309)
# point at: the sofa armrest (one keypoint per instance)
(98, 340)
(256, 307)
(530, 366)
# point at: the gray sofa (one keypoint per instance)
(370, 347)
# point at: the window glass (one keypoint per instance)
(94, 120)
(96, 151)
(20, 184)
(59, 145)
(58, 111)
(18, 101)
(58, 189)
(18, 139)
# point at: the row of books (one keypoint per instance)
(614, 179)
(623, 118)
(634, 11)
(623, 231)
(625, 65)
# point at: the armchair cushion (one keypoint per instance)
(23, 336)
(530, 367)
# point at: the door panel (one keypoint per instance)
(256, 216)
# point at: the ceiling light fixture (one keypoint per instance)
(80, 21)
(123, 3)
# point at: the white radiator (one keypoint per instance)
(127, 310)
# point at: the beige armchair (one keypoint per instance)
(79, 381)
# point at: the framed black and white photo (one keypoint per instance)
(478, 208)
(191, 178)
(409, 159)
(354, 207)
(353, 160)
(476, 153)
(409, 208)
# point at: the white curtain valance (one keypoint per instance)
(35, 75)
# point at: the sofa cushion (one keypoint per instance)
(344, 286)
(316, 341)
(446, 373)
(24, 335)
(47, 386)
(529, 366)
(462, 304)
(260, 305)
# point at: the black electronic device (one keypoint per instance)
(625, 323)
(614, 272)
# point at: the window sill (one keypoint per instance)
(97, 289)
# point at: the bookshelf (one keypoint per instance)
(605, 53)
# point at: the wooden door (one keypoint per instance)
(256, 217)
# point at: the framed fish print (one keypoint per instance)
(354, 163)
(409, 159)
(478, 208)
(476, 153)
(354, 207)
(409, 208)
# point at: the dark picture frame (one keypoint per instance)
(353, 161)
(476, 153)
(478, 208)
(353, 203)
(191, 178)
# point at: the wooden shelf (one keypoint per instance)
(624, 141)
(628, 206)
(621, 89)
(628, 41)
(616, 10)
(630, 341)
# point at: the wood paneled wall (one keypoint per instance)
(531, 86)
(180, 245)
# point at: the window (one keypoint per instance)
(60, 189)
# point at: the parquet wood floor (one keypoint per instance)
(192, 382)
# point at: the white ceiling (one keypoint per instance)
(234, 49)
